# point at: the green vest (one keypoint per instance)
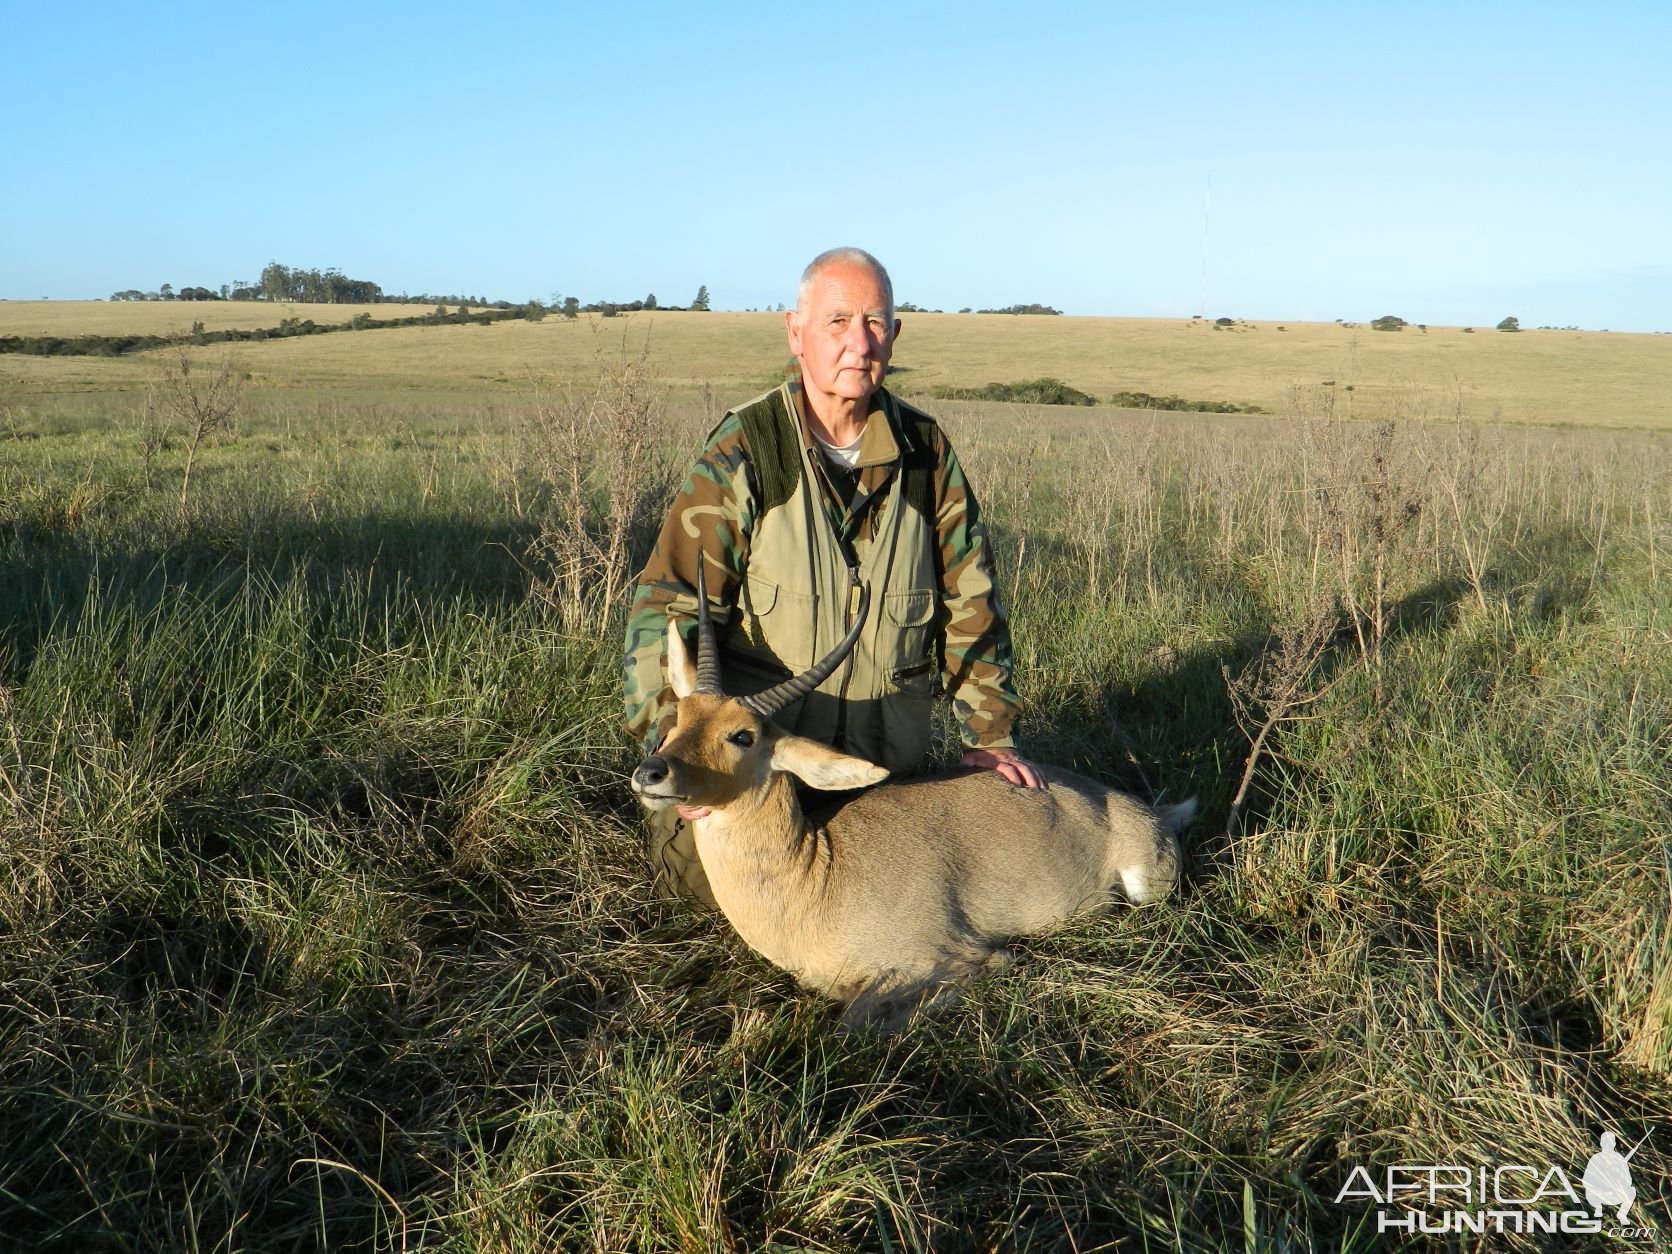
(800, 592)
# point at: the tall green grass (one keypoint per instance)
(326, 924)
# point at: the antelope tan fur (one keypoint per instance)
(907, 889)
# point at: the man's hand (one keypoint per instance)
(1008, 763)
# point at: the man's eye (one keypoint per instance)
(742, 738)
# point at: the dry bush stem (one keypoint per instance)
(599, 458)
(1274, 691)
(200, 407)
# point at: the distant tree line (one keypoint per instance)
(277, 282)
(299, 285)
(1022, 309)
(610, 308)
(1390, 322)
(167, 292)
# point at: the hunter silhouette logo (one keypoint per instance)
(1608, 1178)
(1434, 1198)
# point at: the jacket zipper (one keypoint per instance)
(846, 549)
(847, 666)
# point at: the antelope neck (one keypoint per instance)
(771, 839)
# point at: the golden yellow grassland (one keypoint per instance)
(1568, 377)
(173, 317)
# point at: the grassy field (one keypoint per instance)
(1543, 377)
(326, 924)
(174, 317)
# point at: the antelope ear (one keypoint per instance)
(682, 672)
(822, 767)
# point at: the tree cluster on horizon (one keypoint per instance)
(300, 285)
(1023, 309)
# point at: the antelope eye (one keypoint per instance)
(742, 738)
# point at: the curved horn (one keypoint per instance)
(768, 703)
(708, 656)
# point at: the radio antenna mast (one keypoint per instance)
(1207, 209)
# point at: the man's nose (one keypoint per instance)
(859, 340)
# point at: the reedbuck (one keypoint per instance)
(907, 889)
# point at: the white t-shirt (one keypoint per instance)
(841, 456)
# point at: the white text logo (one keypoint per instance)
(1435, 1198)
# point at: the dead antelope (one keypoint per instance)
(908, 888)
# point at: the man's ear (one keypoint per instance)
(682, 672)
(792, 330)
(896, 335)
(822, 767)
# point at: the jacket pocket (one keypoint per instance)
(919, 679)
(910, 609)
(908, 626)
(907, 713)
(912, 673)
(777, 625)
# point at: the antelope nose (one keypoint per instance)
(652, 771)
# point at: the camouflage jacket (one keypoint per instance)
(787, 540)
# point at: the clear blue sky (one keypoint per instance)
(1449, 163)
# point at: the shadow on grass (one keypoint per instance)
(1173, 730)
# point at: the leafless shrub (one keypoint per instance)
(198, 404)
(1278, 687)
(1366, 497)
(601, 460)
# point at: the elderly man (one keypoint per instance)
(801, 496)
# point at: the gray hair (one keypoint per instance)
(845, 257)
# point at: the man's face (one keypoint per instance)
(842, 337)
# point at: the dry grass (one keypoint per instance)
(326, 925)
(173, 317)
(605, 479)
(1536, 376)
(1542, 377)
